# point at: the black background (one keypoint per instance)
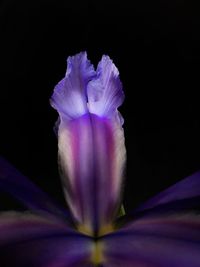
(155, 45)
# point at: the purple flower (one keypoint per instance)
(163, 232)
(90, 141)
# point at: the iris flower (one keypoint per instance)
(163, 232)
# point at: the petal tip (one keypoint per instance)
(69, 97)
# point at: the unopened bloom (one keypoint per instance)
(163, 232)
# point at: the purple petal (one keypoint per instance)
(188, 188)
(165, 241)
(70, 96)
(91, 141)
(105, 92)
(29, 194)
(92, 156)
(29, 240)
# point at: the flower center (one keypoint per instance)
(105, 229)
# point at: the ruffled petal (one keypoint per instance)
(70, 96)
(91, 147)
(25, 191)
(30, 240)
(160, 241)
(105, 92)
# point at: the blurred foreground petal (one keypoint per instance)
(13, 182)
(166, 241)
(185, 194)
(28, 240)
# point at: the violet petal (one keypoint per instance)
(69, 97)
(105, 92)
(92, 156)
(188, 188)
(165, 241)
(91, 142)
(13, 182)
(29, 240)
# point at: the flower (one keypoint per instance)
(163, 232)
(90, 141)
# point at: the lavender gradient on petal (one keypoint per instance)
(91, 146)
(69, 97)
(105, 92)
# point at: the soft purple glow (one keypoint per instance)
(163, 232)
(91, 141)
(92, 166)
